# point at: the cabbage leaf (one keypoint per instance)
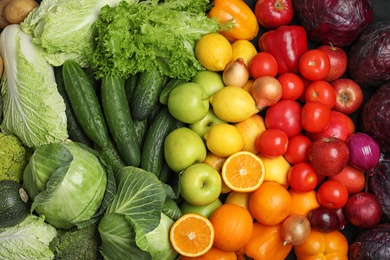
(33, 109)
(29, 239)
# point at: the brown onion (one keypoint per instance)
(236, 73)
(295, 229)
(266, 91)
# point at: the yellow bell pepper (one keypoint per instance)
(245, 25)
(323, 246)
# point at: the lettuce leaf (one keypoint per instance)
(33, 109)
(133, 37)
(28, 240)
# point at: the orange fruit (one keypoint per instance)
(270, 204)
(303, 202)
(213, 254)
(238, 198)
(192, 235)
(233, 227)
(243, 171)
(217, 162)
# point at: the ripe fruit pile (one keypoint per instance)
(277, 147)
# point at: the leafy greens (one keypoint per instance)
(133, 37)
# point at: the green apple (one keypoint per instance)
(211, 81)
(205, 210)
(202, 126)
(182, 148)
(188, 102)
(200, 184)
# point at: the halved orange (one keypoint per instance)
(192, 235)
(243, 171)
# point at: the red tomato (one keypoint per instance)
(297, 148)
(315, 116)
(306, 84)
(272, 143)
(263, 64)
(286, 116)
(321, 91)
(292, 86)
(332, 194)
(302, 177)
(314, 64)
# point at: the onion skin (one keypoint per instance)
(295, 230)
(236, 73)
(324, 219)
(363, 210)
(266, 91)
(364, 151)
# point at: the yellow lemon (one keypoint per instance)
(233, 104)
(243, 49)
(224, 140)
(276, 169)
(213, 51)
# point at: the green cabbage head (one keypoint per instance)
(67, 183)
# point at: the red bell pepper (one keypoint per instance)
(287, 43)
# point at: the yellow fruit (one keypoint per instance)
(213, 51)
(224, 140)
(243, 49)
(238, 198)
(251, 128)
(233, 104)
(276, 169)
(217, 162)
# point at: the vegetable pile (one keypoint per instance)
(90, 93)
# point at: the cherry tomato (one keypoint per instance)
(286, 116)
(297, 148)
(332, 194)
(302, 177)
(314, 64)
(315, 116)
(272, 143)
(292, 86)
(263, 64)
(321, 91)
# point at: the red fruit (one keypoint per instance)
(274, 13)
(352, 178)
(338, 61)
(349, 95)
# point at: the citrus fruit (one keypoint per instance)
(224, 139)
(243, 171)
(303, 202)
(233, 104)
(192, 235)
(217, 162)
(250, 128)
(276, 169)
(238, 198)
(233, 227)
(213, 254)
(213, 51)
(270, 204)
(243, 49)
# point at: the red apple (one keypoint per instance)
(338, 61)
(340, 126)
(349, 95)
(352, 178)
(328, 156)
(274, 13)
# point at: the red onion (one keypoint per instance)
(364, 151)
(363, 210)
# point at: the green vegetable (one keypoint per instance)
(67, 183)
(77, 243)
(65, 29)
(13, 157)
(131, 38)
(133, 215)
(14, 203)
(34, 111)
(119, 120)
(28, 240)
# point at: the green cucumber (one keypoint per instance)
(141, 127)
(75, 131)
(119, 120)
(131, 83)
(152, 156)
(172, 83)
(85, 103)
(146, 94)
